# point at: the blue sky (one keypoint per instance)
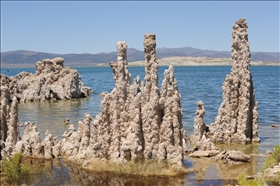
(93, 27)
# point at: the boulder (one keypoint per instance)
(233, 157)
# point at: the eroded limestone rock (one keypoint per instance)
(137, 121)
(9, 122)
(199, 125)
(47, 145)
(204, 153)
(273, 172)
(4, 108)
(56, 147)
(31, 140)
(171, 126)
(233, 157)
(237, 119)
(30, 144)
(51, 81)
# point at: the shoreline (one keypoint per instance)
(136, 64)
(167, 61)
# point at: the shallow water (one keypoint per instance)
(195, 84)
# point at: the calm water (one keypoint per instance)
(195, 84)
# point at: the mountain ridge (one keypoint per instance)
(31, 57)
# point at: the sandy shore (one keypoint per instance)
(198, 61)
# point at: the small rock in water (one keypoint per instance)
(103, 94)
(66, 121)
(274, 126)
(268, 152)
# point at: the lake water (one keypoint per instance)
(195, 84)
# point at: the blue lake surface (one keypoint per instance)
(203, 83)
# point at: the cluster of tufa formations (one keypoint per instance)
(51, 81)
(138, 121)
(237, 120)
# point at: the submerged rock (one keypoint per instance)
(274, 126)
(51, 81)
(204, 153)
(103, 94)
(233, 157)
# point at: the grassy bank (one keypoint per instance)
(145, 168)
(263, 179)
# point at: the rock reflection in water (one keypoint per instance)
(83, 177)
(210, 169)
(207, 172)
(58, 172)
(47, 172)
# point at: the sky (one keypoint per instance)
(92, 27)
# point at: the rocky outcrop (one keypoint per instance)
(199, 125)
(30, 144)
(137, 121)
(51, 81)
(273, 172)
(10, 142)
(171, 126)
(4, 111)
(9, 120)
(203, 146)
(103, 94)
(237, 119)
(151, 112)
(233, 157)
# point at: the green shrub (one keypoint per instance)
(13, 169)
(273, 158)
(256, 182)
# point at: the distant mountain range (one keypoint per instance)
(30, 57)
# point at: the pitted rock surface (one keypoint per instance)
(51, 81)
(237, 119)
(137, 121)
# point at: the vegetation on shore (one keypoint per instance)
(145, 168)
(13, 172)
(263, 179)
(273, 158)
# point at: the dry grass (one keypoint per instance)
(146, 168)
